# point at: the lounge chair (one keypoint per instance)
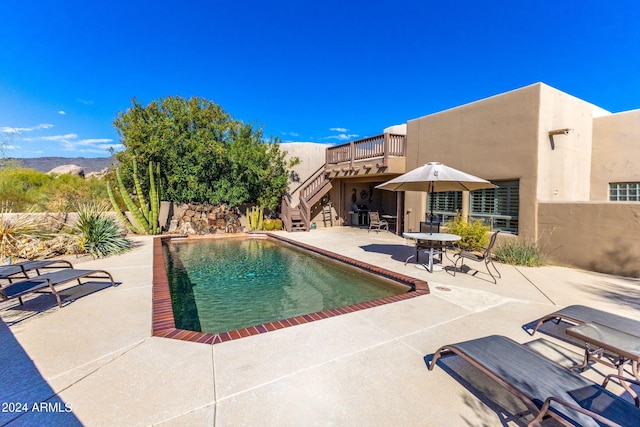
(485, 257)
(46, 283)
(578, 314)
(545, 387)
(375, 223)
(21, 269)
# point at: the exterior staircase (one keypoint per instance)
(384, 155)
(295, 209)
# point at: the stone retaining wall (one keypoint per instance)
(187, 218)
(192, 218)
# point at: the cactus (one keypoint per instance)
(146, 214)
(255, 218)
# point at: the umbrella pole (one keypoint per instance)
(432, 201)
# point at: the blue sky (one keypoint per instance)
(327, 71)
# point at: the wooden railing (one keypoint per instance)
(385, 146)
(313, 185)
(285, 212)
(310, 192)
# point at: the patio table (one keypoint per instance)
(609, 346)
(431, 238)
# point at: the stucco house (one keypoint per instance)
(568, 175)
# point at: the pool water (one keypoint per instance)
(220, 285)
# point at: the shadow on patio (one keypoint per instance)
(24, 394)
(397, 252)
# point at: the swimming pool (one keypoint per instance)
(189, 319)
(221, 285)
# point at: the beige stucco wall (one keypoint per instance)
(564, 161)
(496, 139)
(596, 236)
(616, 152)
(312, 156)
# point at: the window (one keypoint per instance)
(497, 207)
(624, 192)
(446, 205)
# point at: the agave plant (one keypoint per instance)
(101, 235)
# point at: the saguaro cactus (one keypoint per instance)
(146, 213)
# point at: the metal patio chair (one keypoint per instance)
(484, 256)
(377, 224)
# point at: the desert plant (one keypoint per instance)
(517, 252)
(145, 213)
(64, 192)
(278, 224)
(255, 218)
(101, 235)
(269, 224)
(24, 189)
(473, 234)
(16, 229)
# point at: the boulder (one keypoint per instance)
(98, 174)
(68, 170)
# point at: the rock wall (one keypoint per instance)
(195, 218)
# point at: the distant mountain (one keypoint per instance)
(45, 164)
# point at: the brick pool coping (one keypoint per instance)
(162, 312)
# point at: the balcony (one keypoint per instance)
(376, 155)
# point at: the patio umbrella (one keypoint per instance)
(435, 177)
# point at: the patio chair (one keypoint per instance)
(46, 283)
(545, 388)
(21, 269)
(484, 256)
(377, 224)
(578, 314)
(439, 247)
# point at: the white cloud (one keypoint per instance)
(69, 142)
(339, 129)
(88, 145)
(9, 129)
(62, 113)
(58, 137)
(94, 141)
(343, 136)
(294, 134)
(84, 101)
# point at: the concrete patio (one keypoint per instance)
(96, 363)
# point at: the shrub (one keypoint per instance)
(24, 189)
(474, 234)
(20, 189)
(269, 224)
(278, 224)
(15, 231)
(517, 252)
(64, 192)
(101, 235)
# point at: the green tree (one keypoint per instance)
(205, 156)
